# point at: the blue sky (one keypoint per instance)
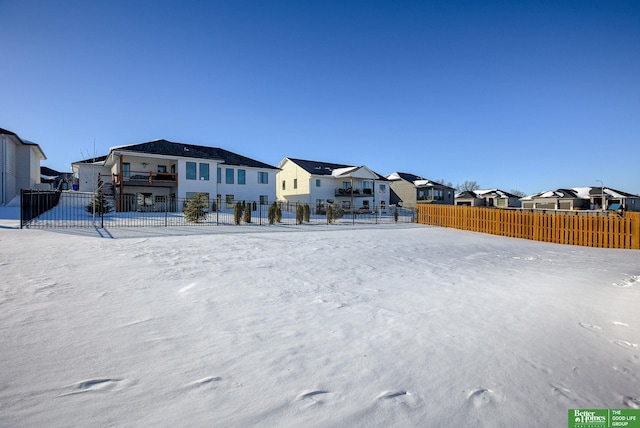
(532, 96)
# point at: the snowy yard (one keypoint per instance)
(388, 325)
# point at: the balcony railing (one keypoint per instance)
(146, 178)
(348, 191)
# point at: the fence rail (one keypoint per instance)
(604, 231)
(80, 210)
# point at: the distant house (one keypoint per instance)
(354, 188)
(408, 190)
(582, 198)
(19, 165)
(488, 198)
(148, 176)
(57, 180)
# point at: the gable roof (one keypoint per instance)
(327, 168)
(482, 193)
(580, 193)
(24, 142)
(415, 179)
(170, 148)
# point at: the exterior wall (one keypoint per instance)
(88, 176)
(9, 169)
(406, 192)
(470, 202)
(196, 186)
(251, 191)
(302, 194)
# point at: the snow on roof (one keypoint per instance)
(342, 171)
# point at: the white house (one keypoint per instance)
(149, 176)
(354, 188)
(19, 165)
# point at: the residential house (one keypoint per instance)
(19, 165)
(57, 180)
(488, 198)
(152, 176)
(582, 198)
(354, 188)
(408, 190)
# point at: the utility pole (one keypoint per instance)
(603, 197)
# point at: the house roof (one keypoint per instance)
(480, 193)
(24, 142)
(95, 159)
(326, 168)
(415, 179)
(170, 148)
(580, 193)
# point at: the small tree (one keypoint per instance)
(271, 213)
(247, 213)
(395, 215)
(195, 208)
(306, 214)
(334, 212)
(299, 214)
(99, 204)
(278, 213)
(237, 213)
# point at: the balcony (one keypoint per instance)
(146, 178)
(350, 192)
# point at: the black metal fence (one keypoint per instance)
(34, 203)
(78, 210)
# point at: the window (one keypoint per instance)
(126, 170)
(365, 205)
(219, 175)
(284, 185)
(228, 201)
(383, 205)
(346, 185)
(162, 168)
(229, 175)
(295, 183)
(383, 188)
(191, 195)
(264, 200)
(242, 176)
(317, 182)
(191, 170)
(263, 177)
(204, 171)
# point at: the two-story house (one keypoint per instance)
(354, 188)
(152, 176)
(408, 190)
(19, 165)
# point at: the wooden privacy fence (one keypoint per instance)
(592, 231)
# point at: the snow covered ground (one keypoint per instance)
(388, 325)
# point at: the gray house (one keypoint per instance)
(408, 190)
(488, 198)
(19, 165)
(582, 198)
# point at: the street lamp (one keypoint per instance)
(602, 195)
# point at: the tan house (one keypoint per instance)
(408, 190)
(354, 188)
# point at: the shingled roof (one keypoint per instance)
(170, 148)
(325, 168)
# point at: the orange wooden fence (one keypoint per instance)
(592, 231)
